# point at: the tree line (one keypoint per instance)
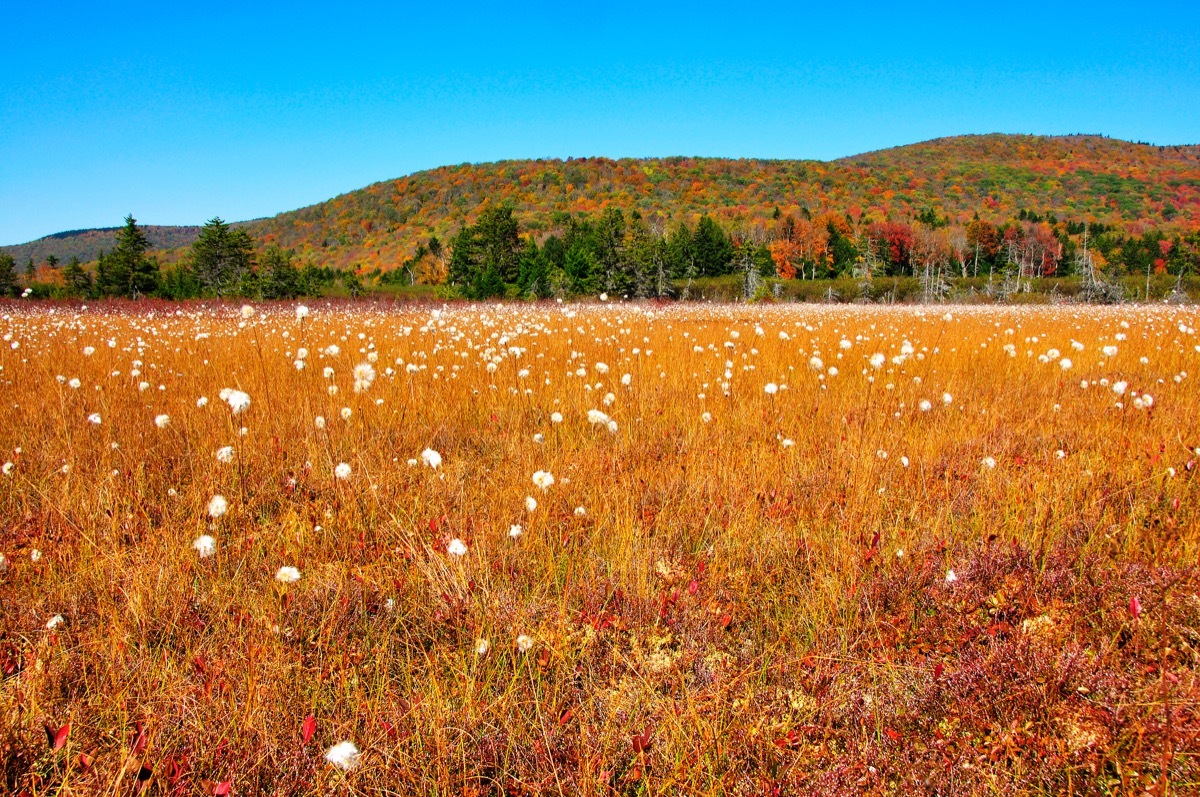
(634, 255)
(222, 261)
(645, 257)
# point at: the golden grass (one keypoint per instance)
(754, 604)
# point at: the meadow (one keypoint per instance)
(595, 548)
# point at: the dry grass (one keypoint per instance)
(728, 614)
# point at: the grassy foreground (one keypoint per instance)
(953, 551)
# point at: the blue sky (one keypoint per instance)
(179, 112)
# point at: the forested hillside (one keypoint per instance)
(966, 207)
(87, 244)
(997, 176)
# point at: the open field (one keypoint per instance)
(785, 550)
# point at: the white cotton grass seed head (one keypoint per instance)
(543, 479)
(217, 506)
(482, 646)
(162, 421)
(515, 531)
(431, 458)
(342, 471)
(530, 503)
(205, 546)
(456, 547)
(770, 388)
(237, 400)
(343, 755)
(225, 454)
(287, 575)
(524, 643)
(94, 419)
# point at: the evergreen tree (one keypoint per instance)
(609, 246)
(129, 272)
(78, 281)
(221, 257)
(499, 242)
(8, 274)
(280, 278)
(492, 244)
(712, 248)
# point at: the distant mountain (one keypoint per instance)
(1077, 177)
(86, 244)
(1080, 177)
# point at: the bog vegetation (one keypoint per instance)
(598, 549)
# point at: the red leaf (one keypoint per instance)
(641, 741)
(139, 738)
(85, 762)
(893, 735)
(308, 728)
(1135, 607)
(60, 738)
(937, 671)
(565, 717)
(175, 770)
(695, 585)
(222, 789)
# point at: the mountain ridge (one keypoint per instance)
(1084, 177)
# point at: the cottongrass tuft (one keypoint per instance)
(343, 755)
(543, 479)
(431, 458)
(456, 547)
(217, 506)
(287, 575)
(205, 546)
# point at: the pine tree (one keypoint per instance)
(129, 272)
(8, 274)
(78, 281)
(280, 278)
(221, 257)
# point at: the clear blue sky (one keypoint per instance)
(245, 110)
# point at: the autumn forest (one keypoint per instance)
(992, 216)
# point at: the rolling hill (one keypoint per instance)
(86, 244)
(1080, 177)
